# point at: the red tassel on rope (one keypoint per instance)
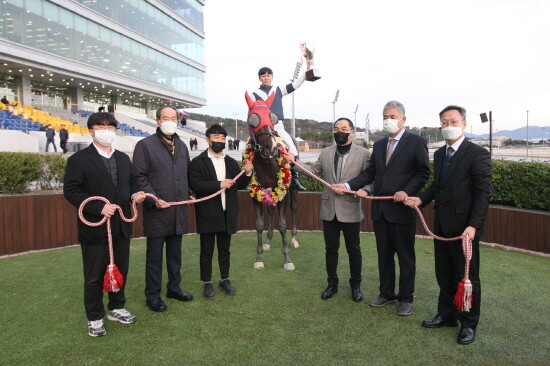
(463, 296)
(113, 280)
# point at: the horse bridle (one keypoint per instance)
(261, 149)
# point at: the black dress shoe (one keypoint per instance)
(356, 294)
(329, 291)
(156, 305)
(438, 322)
(466, 336)
(179, 295)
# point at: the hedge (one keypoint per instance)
(19, 170)
(517, 184)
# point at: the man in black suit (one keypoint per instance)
(160, 168)
(100, 170)
(461, 190)
(399, 167)
(216, 220)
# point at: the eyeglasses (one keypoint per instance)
(345, 130)
(104, 127)
(450, 123)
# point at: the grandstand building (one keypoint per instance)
(60, 60)
(81, 54)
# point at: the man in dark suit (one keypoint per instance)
(461, 190)
(399, 167)
(341, 214)
(160, 168)
(216, 220)
(100, 170)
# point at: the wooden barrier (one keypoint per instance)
(43, 221)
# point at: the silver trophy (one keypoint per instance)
(312, 73)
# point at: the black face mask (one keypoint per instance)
(218, 147)
(341, 138)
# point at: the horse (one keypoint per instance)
(270, 183)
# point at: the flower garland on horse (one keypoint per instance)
(268, 195)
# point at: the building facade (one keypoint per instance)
(83, 54)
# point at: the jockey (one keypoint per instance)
(262, 93)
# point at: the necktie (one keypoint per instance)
(450, 152)
(390, 150)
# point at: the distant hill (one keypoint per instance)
(535, 133)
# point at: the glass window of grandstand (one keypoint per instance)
(148, 20)
(93, 101)
(8, 86)
(48, 27)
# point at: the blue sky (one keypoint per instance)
(483, 55)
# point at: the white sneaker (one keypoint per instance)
(96, 328)
(121, 315)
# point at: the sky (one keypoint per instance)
(482, 55)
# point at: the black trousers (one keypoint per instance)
(153, 265)
(331, 232)
(449, 271)
(391, 239)
(63, 145)
(95, 259)
(207, 253)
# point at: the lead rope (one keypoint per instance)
(463, 296)
(113, 279)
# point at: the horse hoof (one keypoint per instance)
(259, 265)
(289, 266)
(294, 243)
(266, 246)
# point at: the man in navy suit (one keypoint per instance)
(399, 167)
(461, 190)
(100, 170)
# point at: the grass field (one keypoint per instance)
(277, 317)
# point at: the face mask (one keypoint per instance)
(168, 127)
(218, 147)
(391, 125)
(104, 137)
(451, 132)
(341, 137)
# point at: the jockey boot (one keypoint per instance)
(295, 181)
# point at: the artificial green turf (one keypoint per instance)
(277, 317)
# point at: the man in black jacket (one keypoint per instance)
(100, 170)
(399, 167)
(209, 172)
(63, 138)
(160, 168)
(461, 190)
(50, 134)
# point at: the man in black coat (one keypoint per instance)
(160, 168)
(399, 167)
(216, 220)
(63, 138)
(461, 190)
(100, 170)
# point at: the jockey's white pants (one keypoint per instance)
(280, 128)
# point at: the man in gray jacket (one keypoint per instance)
(341, 213)
(160, 168)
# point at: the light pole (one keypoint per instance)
(293, 121)
(367, 128)
(334, 106)
(235, 114)
(527, 132)
(355, 116)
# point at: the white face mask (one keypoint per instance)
(452, 132)
(168, 127)
(391, 126)
(104, 137)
